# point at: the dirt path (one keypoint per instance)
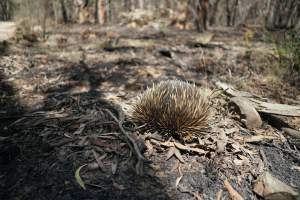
(6, 30)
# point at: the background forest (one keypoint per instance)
(273, 14)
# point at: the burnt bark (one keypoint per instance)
(63, 11)
(6, 10)
(231, 12)
(283, 14)
(214, 11)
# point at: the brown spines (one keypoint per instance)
(174, 108)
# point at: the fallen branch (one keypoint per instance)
(292, 132)
(132, 144)
(275, 108)
(261, 106)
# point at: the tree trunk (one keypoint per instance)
(228, 13)
(108, 11)
(235, 12)
(168, 4)
(212, 20)
(283, 14)
(96, 14)
(46, 14)
(6, 10)
(102, 12)
(63, 11)
(134, 4)
(141, 4)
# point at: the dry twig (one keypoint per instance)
(194, 194)
(132, 144)
(178, 179)
(219, 195)
(232, 192)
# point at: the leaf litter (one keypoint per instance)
(68, 116)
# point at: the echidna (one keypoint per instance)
(172, 108)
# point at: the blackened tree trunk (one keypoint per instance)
(6, 10)
(46, 6)
(214, 11)
(197, 12)
(283, 14)
(63, 11)
(96, 14)
(231, 12)
(108, 11)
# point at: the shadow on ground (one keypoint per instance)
(39, 160)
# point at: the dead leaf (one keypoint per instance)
(178, 179)
(241, 160)
(296, 168)
(238, 162)
(114, 166)
(232, 192)
(244, 159)
(118, 186)
(149, 146)
(201, 142)
(189, 149)
(258, 138)
(78, 178)
(99, 159)
(170, 153)
(100, 143)
(178, 155)
(237, 147)
(248, 114)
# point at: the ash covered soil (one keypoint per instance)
(62, 102)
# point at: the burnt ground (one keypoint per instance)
(56, 98)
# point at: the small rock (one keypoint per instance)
(271, 188)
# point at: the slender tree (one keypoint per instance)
(102, 12)
(63, 11)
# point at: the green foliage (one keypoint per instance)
(292, 48)
(288, 51)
